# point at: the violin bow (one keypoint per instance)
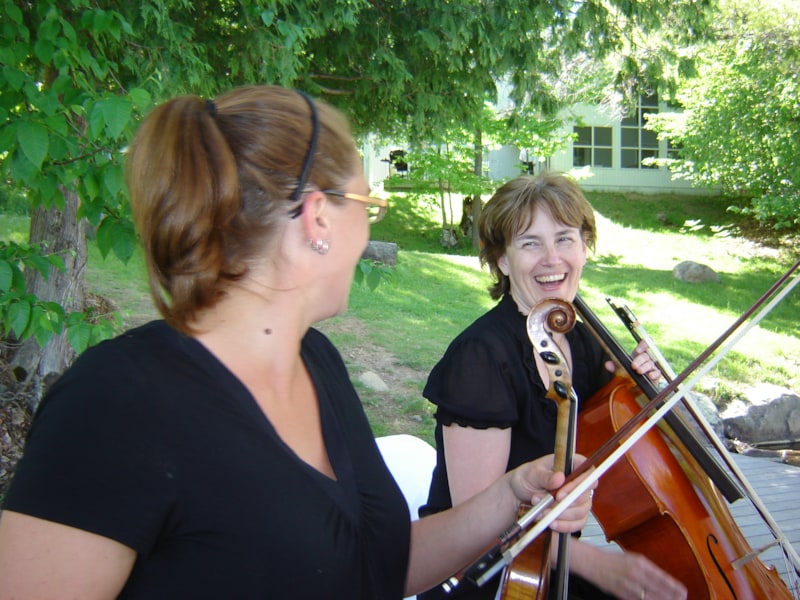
(514, 540)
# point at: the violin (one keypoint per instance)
(528, 575)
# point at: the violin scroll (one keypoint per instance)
(557, 316)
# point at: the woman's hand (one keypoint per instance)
(534, 480)
(642, 363)
(632, 576)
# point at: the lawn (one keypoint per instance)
(401, 328)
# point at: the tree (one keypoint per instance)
(78, 75)
(739, 129)
(76, 78)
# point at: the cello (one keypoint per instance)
(659, 497)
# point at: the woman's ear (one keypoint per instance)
(502, 264)
(316, 224)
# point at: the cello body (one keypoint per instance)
(658, 501)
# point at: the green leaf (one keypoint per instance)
(113, 179)
(22, 169)
(41, 327)
(140, 98)
(34, 141)
(96, 119)
(104, 236)
(13, 13)
(117, 112)
(57, 261)
(40, 263)
(6, 276)
(79, 335)
(19, 316)
(14, 77)
(374, 278)
(123, 241)
(44, 50)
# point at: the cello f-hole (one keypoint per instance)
(712, 540)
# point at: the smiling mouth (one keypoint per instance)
(551, 278)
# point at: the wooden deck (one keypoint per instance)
(778, 487)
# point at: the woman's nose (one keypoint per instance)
(551, 254)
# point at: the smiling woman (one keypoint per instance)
(490, 389)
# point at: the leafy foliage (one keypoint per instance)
(740, 127)
(77, 75)
(23, 315)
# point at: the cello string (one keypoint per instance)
(599, 470)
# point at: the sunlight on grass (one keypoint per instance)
(426, 302)
(14, 228)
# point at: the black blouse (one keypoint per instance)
(488, 378)
(149, 440)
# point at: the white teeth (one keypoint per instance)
(550, 278)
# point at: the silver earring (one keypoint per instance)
(320, 246)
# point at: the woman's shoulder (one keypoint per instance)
(495, 330)
(151, 342)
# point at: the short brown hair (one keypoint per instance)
(513, 208)
(210, 183)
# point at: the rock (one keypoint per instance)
(694, 272)
(373, 381)
(767, 414)
(708, 410)
(384, 252)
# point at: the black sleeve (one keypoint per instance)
(92, 460)
(470, 386)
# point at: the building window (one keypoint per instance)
(592, 148)
(636, 142)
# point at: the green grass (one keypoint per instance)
(432, 294)
(124, 283)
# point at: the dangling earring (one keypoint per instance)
(320, 246)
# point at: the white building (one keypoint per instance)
(607, 154)
(613, 149)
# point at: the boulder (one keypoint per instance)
(768, 414)
(373, 381)
(694, 272)
(383, 252)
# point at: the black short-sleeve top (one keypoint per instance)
(149, 440)
(488, 378)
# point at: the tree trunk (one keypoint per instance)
(63, 233)
(477, 204)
